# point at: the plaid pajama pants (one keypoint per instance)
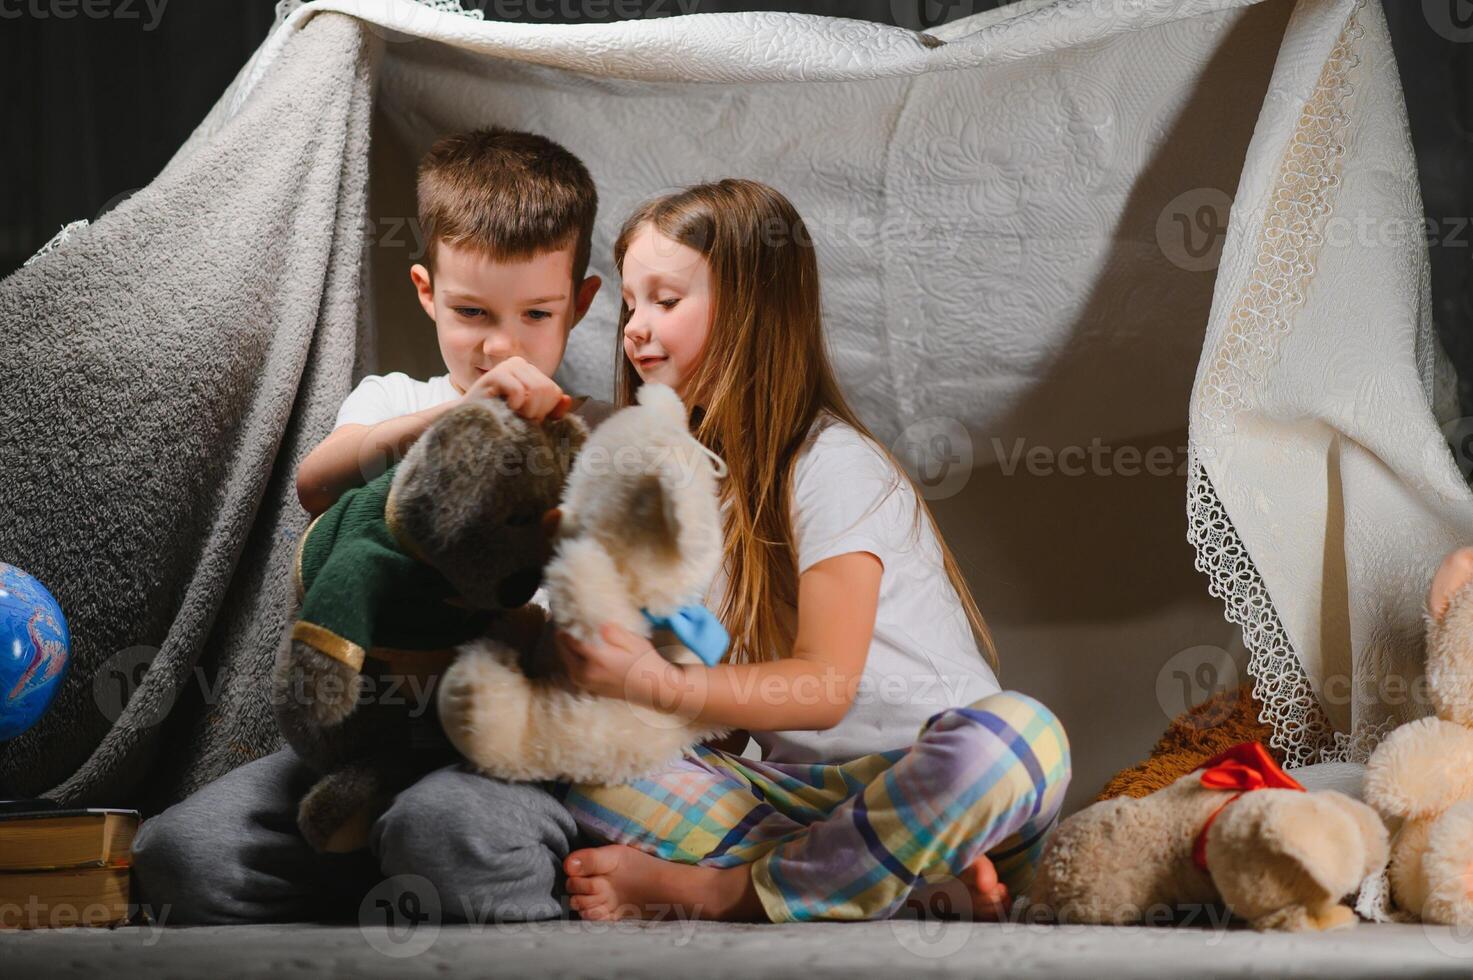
(850, 841)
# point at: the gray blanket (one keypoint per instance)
(163, 375)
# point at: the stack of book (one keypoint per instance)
(62, 867)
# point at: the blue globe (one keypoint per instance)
(34, 650)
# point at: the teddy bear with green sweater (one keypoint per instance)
(415, 643)
(445, 546)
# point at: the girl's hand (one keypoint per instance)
(623, 666)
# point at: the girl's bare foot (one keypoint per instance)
(974, 894)
(619, 882)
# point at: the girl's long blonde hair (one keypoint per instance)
(763, 378)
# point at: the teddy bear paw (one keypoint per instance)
(1448, 867)
(1448, 584)
(467, 700)
(333, 821)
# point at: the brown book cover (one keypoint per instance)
(51, 840)
(56, 899)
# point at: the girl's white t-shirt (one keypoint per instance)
(380, 397)
(848, 496)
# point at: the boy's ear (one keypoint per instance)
(587, 289)
(424, 288)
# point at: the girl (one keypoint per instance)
(853, 629)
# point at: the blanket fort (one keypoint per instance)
(1036, 221)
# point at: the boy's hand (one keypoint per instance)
(525, 389)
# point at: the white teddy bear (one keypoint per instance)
(1422, 773)
(637, 544)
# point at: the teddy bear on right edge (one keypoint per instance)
(1422, 773)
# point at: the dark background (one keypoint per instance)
(94, 106)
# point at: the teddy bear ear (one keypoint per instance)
(567, 436)
(1450, 660)
(454, 456)
(652, 514)
(662, 398)
(465, 432)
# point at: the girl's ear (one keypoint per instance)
(550, 522)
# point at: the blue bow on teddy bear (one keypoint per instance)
(696, 627)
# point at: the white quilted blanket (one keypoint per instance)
(1021, 223)
(1019, 232)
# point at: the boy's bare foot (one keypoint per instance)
(975, 894)
(619, 882)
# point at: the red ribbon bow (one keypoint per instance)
(1241, 769)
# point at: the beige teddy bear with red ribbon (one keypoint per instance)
(1421, 775)
(1238, 831)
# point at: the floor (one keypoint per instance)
(710, 950)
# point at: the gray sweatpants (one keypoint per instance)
(232, 853)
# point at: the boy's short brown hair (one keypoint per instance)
(508, 194)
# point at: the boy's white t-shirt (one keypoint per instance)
(923, 657)
(380, 397)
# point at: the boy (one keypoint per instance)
(507, 219)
